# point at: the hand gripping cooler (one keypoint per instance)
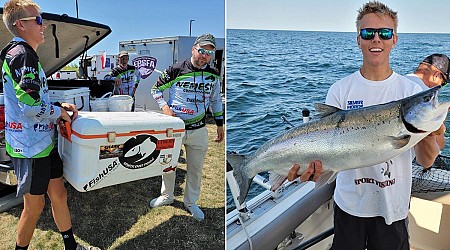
(112, 148)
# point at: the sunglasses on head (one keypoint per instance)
(383, 33)
(38, 19)
(205, 51)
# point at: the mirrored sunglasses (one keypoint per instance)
(38, 19)
(205, 51)
(383, 33)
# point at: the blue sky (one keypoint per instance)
(142, 19)
(415, 16)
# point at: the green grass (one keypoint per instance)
(118, 217)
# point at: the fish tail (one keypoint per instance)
(244, 185)
(237, 162)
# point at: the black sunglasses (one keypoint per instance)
(446, 80)
(383, 33)
(38, 19)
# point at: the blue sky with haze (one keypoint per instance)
(415, 16)
(142, 19)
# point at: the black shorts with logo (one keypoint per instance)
(34, 174)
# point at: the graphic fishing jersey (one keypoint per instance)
(192, 91)
(130, 78)
(29, 115)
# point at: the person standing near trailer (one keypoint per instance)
(194, 86)
(126, 77)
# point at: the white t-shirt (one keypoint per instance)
(383, 189)
(416, 79)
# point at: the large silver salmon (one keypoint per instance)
(344, 139)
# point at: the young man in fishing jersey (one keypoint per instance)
(372, 215)
(193, 87)
(126, 77)
(30, 127)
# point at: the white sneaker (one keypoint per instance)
(81, 247)
(160, 201)
(195, 211)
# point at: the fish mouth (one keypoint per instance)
(411, 128)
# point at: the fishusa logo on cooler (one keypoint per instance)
(102, 175)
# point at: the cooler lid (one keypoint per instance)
(92, 125)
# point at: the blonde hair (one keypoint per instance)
(377, 8)
(14, 10)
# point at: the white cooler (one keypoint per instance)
(78, 96)
(112, 148)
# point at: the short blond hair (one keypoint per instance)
(14, 10)
(377, 8)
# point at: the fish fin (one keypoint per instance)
(399, 141)
(325, 178)
(237, 163)
(276, 180)
(325, 110)
(235, 159)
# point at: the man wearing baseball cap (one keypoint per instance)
(433, 71)
(126, 77)
(205, 39)
(194, 87)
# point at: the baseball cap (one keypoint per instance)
(123, 53)
(441, 62)
(205, 39)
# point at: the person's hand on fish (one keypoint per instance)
(440, 131)
(312, 173)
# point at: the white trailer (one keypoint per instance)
(92, 66)
(152, 56)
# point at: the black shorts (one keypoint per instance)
(357, 233)
(34, 174)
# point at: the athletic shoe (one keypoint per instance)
(195, 212)
(160, 201)
(81, 247)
